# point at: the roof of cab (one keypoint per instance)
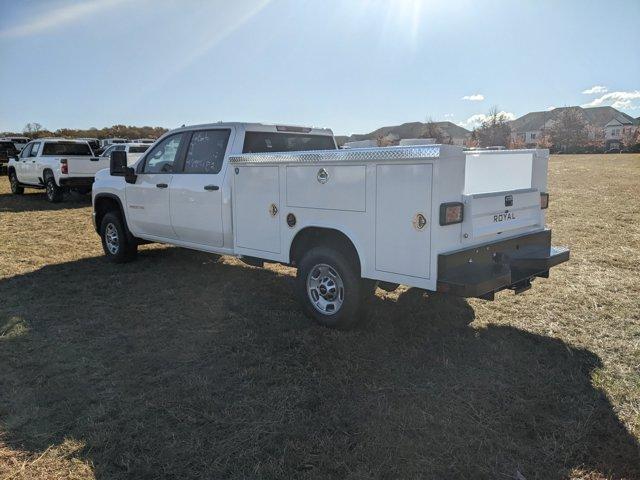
(258, 127)
(58, 139)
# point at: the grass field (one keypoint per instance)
(181, 365)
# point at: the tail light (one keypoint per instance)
(64, 166)
(450, 213)
(544, 200)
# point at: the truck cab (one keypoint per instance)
(427, 216)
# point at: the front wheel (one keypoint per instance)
(117, 246)
(329, 288)
(16, 189)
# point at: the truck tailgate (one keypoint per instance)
(85, 166)
(498, 213)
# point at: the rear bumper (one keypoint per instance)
(76, 181)
(485, 269)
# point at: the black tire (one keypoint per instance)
(117, 245)
(321, 261)
(16, 189)
(55, 193)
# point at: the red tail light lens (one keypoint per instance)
(451, 213)
(544, 200)
(64, 167)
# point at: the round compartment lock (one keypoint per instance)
(237, 170)
(273, 210)
(291, 220)
(323, 176)
(419, 221)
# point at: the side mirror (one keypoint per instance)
(118, 167)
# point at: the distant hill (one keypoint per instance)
(409, 130)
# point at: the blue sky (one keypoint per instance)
(352, 65)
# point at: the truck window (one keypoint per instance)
(261, 142)
(35, 149)
(107, 152)
(138, 149)
(206, 151)
(8, 148)
(26, 151)
(56, 149)
(163, 156)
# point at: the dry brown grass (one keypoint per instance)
(181, 366)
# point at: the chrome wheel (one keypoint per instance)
(14, 183)
(111, 239)
(325, 289)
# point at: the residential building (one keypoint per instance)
(612, 124)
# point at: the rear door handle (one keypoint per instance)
(161, 185)
(211, 188)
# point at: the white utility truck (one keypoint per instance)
(55, 164)
(430, 217)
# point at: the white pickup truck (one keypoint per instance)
(55, 164)
(133, 150)
(431, 217)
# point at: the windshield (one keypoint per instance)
(66, 148)
(138, 149)
(260, 142)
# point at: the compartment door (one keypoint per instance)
(403, 201)
(257, 222)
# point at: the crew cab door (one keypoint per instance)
(148, 198)
(31, 168)
(23, 162)
(197, 188)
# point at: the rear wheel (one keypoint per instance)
(329, 288)
(117, 245)
(16, 189)
(54, 192)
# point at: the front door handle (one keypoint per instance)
(161, 185)
(211, 188)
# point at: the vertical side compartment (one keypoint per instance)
(402, 193)
(256, 192)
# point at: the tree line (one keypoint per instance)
(36, 130)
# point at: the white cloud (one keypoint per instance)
(57, 17)
(595, 89)
(448, 115)
(475, 120)
(620, 100)
(476, 97)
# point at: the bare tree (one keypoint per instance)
(568, 132)
(494, 130)
(32, 130)
(432, 130)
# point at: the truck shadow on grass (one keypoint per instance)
(178, 366)
(36, 200)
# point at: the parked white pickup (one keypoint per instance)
(133, 150)
(56, 165)
(430, 216)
